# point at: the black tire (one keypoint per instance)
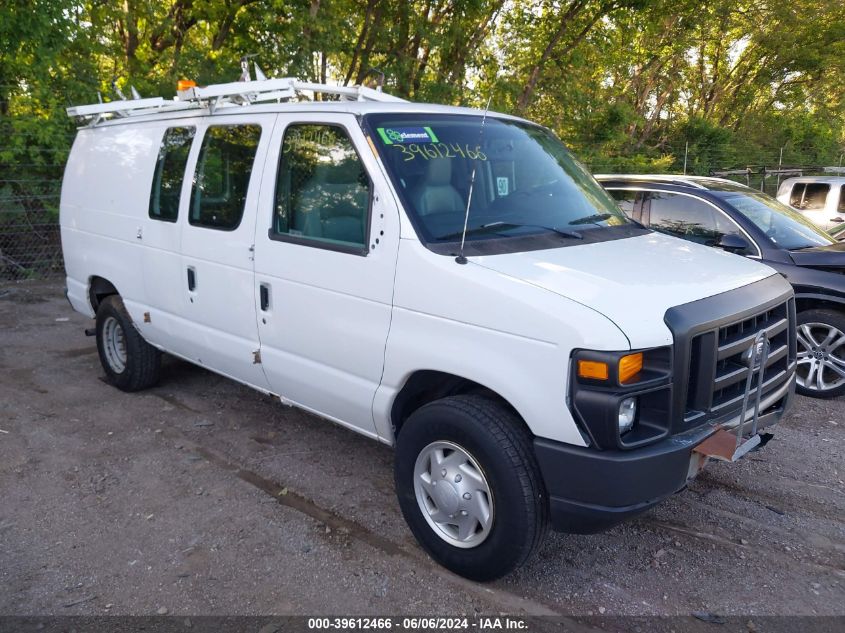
(499, 443)
(141, 365)
(816, 321)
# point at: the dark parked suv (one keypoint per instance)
(740, 220)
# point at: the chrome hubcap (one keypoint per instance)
(453, 494)
(114, 345)
(821, 356)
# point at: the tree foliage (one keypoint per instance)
(630, 84)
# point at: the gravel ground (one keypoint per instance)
(201, 496)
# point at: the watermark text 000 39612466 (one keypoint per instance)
(421, 623)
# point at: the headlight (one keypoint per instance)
(622, 399)
(627, 414)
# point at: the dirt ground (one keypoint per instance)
(201, 496)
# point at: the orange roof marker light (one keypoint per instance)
(185, 84)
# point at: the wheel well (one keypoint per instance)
(812, 303)
(426, 386)
(99, 289)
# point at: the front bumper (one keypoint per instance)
(591, 490)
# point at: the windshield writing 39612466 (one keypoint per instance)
(428, 151)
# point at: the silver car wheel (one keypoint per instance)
(114, 345)
(453, 494)
(821, 356)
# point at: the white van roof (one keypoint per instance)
(834, 180)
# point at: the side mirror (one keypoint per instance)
(733, 243)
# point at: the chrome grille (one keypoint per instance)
(718, 373)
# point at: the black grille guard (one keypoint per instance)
(712, 383)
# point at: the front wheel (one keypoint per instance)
(469, 486)
(821, 354)
(129, 361)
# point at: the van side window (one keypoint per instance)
(815, 196)
(224, 166)
(809, 196)
(796, 195)
(169, 173)
(322, 189)
(841, 207)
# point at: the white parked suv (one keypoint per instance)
(821, 199)
(565, 366)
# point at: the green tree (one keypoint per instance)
(628, 83)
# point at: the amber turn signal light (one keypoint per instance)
(592, 369)
(630, 366)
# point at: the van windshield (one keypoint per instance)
(527, 184)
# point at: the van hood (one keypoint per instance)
(632, 281)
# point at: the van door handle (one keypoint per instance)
(264, 294)
(192, 278)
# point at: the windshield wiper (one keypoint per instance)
(563, 232)
(593, 219)
(497, 227)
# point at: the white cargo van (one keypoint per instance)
(821, 199)
(565, 366)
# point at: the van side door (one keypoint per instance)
(326, 245)
(218, 305)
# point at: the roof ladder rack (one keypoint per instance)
(279, 89)
(235, 93)
(127, 107)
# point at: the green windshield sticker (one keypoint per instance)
(391, 135)
(431, 134)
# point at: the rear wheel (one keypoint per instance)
(821, 353)
(129, 361)
(469, 486)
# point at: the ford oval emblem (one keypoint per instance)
(751, 357)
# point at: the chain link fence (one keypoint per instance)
(30, 245)
(31, 164)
